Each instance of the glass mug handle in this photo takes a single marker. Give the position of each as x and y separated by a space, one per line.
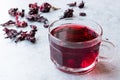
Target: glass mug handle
106 48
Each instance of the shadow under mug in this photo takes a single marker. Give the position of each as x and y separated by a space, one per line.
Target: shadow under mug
75 56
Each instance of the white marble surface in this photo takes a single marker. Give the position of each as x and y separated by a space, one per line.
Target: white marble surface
26 61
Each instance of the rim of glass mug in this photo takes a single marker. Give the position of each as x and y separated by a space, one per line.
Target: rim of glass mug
85 22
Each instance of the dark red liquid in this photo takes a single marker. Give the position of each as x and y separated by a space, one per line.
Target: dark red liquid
73 57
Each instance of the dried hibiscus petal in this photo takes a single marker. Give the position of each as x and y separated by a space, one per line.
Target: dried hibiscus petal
33 6
33 27
20 13
68 13
23 13
11 33
31 35
72 4
81 5
33 9
46 25
28 36
42 19
21 24
32 17
31 39
21 36
33 31
45 7
8 23
15 12
37 18
82 14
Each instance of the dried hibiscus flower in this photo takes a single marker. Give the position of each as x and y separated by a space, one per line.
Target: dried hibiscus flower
21 36
68 13
42 19
45 7
72 4
81 5
11 33
32 17
15 12
28 36
33 9
37 18
8 23
21 24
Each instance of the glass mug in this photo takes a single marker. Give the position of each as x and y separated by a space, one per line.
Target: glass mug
75 44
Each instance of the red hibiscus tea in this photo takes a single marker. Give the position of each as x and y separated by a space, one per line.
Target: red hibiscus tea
74 47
